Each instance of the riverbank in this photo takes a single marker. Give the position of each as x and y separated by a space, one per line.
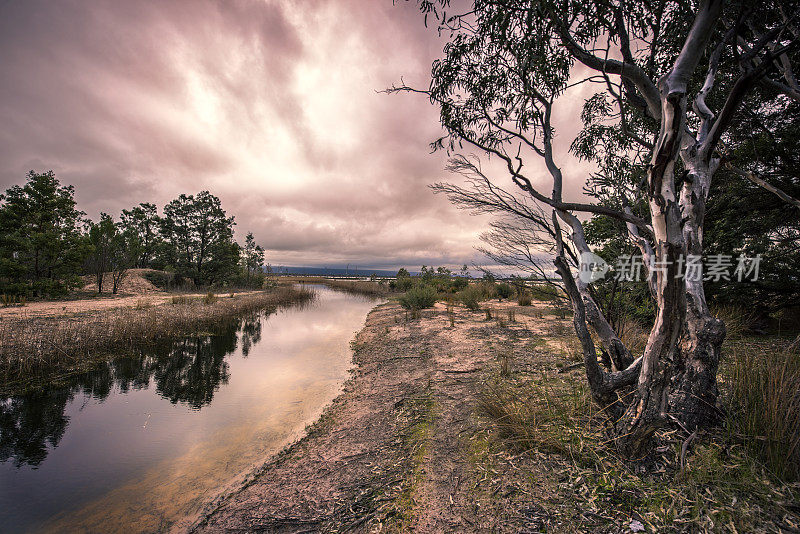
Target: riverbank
36 341
367 288
462 421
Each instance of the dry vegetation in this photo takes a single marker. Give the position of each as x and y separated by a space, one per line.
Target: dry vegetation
361 287
743 476
29 345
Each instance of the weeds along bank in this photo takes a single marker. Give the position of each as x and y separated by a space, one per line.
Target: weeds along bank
32 345
369 288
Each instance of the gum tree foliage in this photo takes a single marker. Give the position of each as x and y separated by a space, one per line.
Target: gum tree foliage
143 221
41 241
198 238
678 73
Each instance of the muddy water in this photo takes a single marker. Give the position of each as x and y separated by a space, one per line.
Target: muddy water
140 444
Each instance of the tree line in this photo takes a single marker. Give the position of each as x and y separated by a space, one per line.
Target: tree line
47 243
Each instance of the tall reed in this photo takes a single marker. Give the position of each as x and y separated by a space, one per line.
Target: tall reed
28 345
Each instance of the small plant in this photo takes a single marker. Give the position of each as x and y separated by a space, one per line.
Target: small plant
12 300
524 298
488 312
418 298
504 291
451 315
512 316
209 298
505 358
181 300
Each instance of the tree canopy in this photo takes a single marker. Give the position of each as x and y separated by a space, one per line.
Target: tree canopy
46 243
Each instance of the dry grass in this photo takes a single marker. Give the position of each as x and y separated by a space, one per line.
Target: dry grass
31 345
762 387
719 486
361 287
542 415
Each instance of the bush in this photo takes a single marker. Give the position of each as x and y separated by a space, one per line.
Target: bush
544 292
459 283
470 297
418 298
504 291
403 283
524 298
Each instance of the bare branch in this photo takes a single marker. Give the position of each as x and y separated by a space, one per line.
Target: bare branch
763 184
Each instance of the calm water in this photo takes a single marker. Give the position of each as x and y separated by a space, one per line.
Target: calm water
140 444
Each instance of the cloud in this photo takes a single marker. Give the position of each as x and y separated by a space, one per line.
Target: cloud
272 106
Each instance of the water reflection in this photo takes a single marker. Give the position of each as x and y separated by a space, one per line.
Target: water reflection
188 371
30 423
140 444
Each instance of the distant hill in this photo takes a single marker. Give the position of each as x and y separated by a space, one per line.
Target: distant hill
332 271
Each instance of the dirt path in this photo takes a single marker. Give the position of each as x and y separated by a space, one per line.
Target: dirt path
399 450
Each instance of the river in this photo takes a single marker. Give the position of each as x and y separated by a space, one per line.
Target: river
140 444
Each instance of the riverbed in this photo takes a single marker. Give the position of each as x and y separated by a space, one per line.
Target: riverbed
140 444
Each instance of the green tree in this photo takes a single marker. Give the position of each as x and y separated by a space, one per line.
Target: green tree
199 239
41 243
126 251
253 261
101 238
143 221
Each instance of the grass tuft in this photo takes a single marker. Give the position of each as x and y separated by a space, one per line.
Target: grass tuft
763 394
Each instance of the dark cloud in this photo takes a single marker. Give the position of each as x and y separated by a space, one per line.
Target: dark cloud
270 105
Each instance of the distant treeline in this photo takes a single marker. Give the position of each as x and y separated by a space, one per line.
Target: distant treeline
46 243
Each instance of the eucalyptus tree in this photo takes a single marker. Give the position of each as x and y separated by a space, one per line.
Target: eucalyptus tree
678 73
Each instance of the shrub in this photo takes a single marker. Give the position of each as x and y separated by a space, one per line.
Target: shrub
544 292
404 283
524 299
459 283
418 298
209 298
487 288
470 297
504 291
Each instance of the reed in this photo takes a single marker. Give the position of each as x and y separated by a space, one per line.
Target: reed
33 344
361 287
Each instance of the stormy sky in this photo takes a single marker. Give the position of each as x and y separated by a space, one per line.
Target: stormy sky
271 105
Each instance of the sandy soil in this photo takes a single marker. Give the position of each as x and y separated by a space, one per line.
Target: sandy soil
400 448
